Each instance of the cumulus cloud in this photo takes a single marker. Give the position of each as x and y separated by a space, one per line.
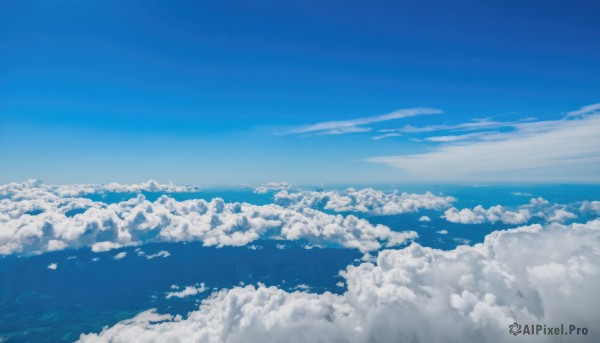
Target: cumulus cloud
188 291
357 125
492 215
424 219
563 150
272 186
53 266
417 294
590 207
28 189
365 200
120 255
537 207
136 221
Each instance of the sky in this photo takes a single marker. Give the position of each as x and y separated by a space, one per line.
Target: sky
235 92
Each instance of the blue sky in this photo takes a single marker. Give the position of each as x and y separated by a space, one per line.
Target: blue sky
236 92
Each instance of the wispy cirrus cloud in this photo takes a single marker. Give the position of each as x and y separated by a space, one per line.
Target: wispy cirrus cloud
563 150
585 111
339 127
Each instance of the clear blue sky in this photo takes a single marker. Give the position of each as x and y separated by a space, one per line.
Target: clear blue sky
226 92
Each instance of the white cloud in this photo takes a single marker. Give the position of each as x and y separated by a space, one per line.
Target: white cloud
442 232
162 253
550 151
53 266
424 219
272 186
356 125
83 189
585 111
120 255
188 291
561 215
537 207
520 194
387 135
493 214
534 275
365 200
136 221
590 206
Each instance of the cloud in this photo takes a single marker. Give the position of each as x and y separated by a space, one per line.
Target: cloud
531 275
162 253
53 266
137 221
387 135
424 219
272 186
31 189
590 206
188 291
442 232
521 194
120 255
537 207
355 125
475 125
492 215
561 215
585 111
365 200
551 151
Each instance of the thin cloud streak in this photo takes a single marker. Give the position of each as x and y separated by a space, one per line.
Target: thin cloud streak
549 151
355 125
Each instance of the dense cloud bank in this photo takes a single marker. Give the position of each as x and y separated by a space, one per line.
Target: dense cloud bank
365 200
30 188
533 275
537 207
35 218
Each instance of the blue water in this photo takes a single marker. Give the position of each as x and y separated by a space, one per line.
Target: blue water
82 295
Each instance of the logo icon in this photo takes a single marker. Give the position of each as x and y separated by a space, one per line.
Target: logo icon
514 328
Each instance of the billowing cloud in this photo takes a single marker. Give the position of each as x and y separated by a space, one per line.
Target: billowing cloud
35 220
590 207
492 215
76 190
566 150
537 207
365 200
531 275
357 125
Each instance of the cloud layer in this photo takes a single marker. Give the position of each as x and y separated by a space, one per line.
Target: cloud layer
365 200
417 294
35 219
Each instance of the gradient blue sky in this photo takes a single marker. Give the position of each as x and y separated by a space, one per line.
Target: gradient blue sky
225 92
